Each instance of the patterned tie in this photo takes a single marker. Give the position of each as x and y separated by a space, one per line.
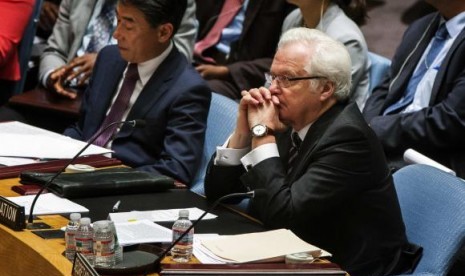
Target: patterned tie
119 106
102 28
293 151
227 14
438 43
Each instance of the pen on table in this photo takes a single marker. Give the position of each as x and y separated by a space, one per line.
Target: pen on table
116 206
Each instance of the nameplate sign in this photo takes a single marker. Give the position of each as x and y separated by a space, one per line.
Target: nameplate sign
12 215
82 267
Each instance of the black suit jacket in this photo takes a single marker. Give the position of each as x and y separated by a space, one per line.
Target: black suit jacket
339 197
260 35
174 103
437 130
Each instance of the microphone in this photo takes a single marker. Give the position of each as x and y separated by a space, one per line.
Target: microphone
250 194
134 123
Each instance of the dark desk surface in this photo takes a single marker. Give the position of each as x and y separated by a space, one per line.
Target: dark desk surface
228 222
42 99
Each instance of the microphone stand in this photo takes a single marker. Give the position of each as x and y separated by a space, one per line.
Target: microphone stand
156 263
30 219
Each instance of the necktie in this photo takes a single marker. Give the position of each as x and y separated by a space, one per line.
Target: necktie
438 43
102 28
227 14
119 106
293 151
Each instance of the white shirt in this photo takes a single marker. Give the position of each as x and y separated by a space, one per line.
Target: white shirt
233 157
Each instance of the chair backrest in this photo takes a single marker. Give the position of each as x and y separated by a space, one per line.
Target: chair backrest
379 68
25 46
220 123
433 208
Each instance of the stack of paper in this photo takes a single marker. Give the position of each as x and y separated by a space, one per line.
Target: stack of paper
48 204
254 247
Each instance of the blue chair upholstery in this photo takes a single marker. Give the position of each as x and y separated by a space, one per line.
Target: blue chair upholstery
220 123
25 46
433 208
379 68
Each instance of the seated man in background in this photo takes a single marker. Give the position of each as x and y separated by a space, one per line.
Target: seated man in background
146 77
81 30
421 103
234 35
321 168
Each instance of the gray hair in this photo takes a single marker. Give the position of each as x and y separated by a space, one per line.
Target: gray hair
329 58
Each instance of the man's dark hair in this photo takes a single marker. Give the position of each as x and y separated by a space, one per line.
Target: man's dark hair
159 12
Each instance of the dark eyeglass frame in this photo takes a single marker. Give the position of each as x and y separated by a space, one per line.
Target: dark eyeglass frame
280 79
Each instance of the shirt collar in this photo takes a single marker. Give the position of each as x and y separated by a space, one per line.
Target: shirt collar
303 132
455 25
147 68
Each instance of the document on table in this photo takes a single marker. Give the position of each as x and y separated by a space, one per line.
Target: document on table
142 231
22 140
159 215
260 247
48 204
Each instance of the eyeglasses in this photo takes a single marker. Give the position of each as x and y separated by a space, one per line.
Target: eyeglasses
285 81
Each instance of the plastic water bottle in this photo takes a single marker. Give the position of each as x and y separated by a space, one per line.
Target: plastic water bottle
70 234
85 240
182 251
104 244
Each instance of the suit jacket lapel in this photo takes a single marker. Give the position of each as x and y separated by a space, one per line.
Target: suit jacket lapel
158 84
250 13
312 139
440 77
403 76
106 92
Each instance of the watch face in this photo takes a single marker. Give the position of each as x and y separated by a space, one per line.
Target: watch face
259 130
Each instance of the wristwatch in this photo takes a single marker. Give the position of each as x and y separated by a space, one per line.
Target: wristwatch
261 130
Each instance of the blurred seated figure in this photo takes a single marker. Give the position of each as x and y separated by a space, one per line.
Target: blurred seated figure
146 77
15 15
81 30
339 19
234 37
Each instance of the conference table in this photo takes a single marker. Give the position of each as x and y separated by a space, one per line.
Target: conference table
25 253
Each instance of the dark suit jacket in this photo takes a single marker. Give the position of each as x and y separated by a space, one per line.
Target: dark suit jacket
437 130
339 197
260 35
174 103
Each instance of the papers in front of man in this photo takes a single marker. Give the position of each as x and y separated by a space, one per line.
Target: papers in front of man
158 215
256 247
48 204
141 231
22 140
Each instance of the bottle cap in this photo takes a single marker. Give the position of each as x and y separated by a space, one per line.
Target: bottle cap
184 213
75 216
85 221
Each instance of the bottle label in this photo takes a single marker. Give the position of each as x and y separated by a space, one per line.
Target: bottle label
188 239
104 248
70 241
84 245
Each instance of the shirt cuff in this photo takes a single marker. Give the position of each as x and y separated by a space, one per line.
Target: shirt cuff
229 157
259 154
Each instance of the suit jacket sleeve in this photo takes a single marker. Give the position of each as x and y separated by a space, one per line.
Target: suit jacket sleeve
187 32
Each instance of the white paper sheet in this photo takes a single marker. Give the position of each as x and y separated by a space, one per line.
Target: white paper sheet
48 204
414 157
158 215
142 231
22 140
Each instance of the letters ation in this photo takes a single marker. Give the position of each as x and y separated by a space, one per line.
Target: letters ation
12 215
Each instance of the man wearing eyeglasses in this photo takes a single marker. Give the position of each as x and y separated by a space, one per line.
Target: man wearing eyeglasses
320 166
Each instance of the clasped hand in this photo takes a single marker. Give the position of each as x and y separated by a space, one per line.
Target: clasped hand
257 106
80 68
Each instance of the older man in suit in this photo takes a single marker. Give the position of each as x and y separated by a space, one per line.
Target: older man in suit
146 77
421 103
320 166
71 51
